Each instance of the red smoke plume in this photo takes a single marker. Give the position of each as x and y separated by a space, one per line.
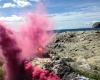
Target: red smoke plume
35 35
30 41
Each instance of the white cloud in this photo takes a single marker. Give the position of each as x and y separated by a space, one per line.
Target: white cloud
71 20
67 20
11 18
36 0
17 3
7 5
13 21
22 3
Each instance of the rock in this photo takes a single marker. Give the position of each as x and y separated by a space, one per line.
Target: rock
96 25
41 62
70 76
74 76
85 66
81 78
83 47
61 67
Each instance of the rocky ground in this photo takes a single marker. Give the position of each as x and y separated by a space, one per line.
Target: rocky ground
76 53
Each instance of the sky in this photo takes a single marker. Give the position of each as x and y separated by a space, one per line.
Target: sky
65 14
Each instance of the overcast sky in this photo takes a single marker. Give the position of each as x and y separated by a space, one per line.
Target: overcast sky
66 14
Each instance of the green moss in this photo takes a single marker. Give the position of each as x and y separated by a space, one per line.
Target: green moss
92 75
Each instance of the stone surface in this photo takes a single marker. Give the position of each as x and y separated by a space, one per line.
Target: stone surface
81 46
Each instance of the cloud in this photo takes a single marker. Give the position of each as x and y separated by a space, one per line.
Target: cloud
13 21
36 0
16 3
11 18
22 3
7 5
69 20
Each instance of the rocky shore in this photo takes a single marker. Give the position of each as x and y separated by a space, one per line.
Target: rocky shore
78 53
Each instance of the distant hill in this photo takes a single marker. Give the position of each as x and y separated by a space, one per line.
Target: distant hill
96 25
